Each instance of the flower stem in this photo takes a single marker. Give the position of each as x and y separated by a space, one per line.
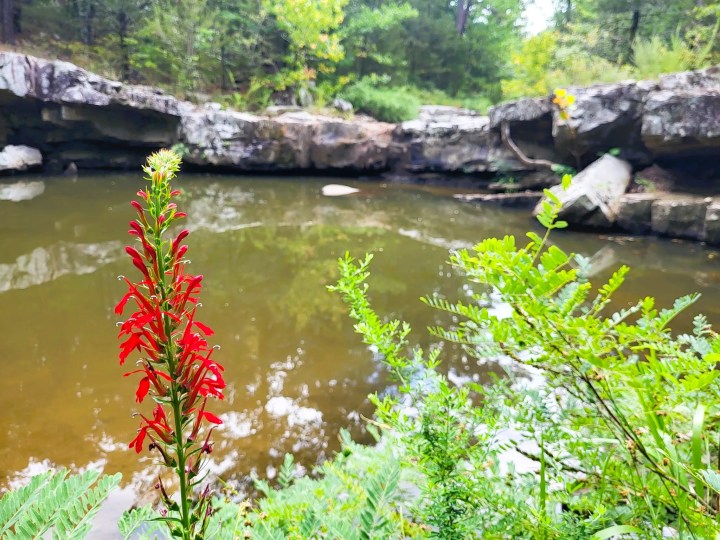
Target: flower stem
180 451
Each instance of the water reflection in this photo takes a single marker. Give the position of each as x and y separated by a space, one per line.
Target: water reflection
296 371
21 191
43 265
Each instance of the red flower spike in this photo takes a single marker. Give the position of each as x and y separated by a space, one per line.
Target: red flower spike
175 357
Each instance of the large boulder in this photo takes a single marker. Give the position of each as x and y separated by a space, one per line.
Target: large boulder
19 158
593 198
65 83
71 114
604 116
291 141
447 139
682 118
529 122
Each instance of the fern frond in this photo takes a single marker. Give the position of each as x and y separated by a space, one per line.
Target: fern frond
287 471
54 502
380 491
133 520
76 521
15 504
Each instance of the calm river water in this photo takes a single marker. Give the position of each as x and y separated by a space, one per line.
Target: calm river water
267 247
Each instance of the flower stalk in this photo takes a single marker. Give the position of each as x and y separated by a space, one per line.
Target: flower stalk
175 364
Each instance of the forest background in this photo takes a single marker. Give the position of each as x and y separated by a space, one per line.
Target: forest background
385 56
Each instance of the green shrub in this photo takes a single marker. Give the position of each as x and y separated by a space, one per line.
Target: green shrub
622 427
386 104
583 69
652 57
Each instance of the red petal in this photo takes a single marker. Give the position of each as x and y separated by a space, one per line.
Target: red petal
210 417
142 390
121 304
137 442
205 329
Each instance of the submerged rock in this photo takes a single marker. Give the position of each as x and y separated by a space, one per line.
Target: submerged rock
338 190
523 199
593 198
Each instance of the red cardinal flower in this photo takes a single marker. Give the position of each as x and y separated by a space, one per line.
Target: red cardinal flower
174 357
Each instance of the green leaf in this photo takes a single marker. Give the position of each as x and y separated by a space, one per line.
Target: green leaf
617 530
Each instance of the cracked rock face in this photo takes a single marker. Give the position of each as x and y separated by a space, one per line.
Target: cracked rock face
291 141
446 139
603 117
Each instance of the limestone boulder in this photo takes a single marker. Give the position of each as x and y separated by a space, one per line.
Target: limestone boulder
446 139
19 158
682 118
530 124
521 111
603 117
294 140
65 83
593 198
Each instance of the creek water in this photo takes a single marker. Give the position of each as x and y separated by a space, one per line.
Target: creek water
267 247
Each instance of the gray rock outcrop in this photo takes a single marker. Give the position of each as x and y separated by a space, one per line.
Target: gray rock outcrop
603 117
446 139
291 141
72 115
680 216
682 117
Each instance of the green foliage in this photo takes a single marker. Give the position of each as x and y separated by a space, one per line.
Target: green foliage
310 29
531 65
172 43
142 521
383 103
54 503
622 427
357 496
365 31
653 58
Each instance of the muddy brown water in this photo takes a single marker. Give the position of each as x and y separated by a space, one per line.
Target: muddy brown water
267 247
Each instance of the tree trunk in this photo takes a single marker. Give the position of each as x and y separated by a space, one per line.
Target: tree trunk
634 27
8 21
122 23
462 11
88 14
223 68
568 12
